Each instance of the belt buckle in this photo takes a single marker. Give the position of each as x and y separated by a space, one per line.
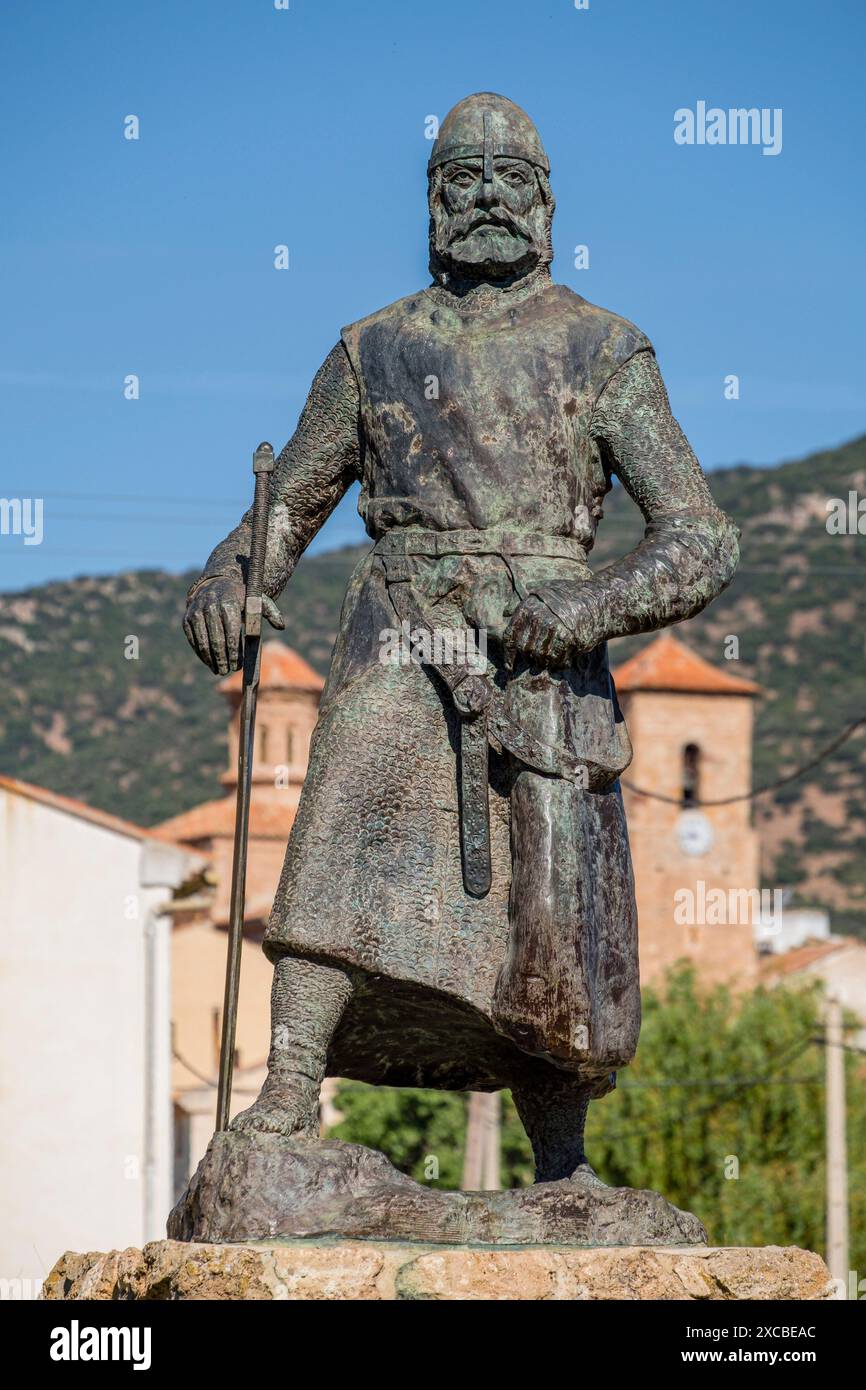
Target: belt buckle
472 541
511 544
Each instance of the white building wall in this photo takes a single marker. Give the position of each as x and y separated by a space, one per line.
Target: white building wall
784 929
74 921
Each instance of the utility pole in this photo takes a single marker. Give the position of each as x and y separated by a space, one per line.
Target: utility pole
473 1157
837 1156
491 1176
481 1162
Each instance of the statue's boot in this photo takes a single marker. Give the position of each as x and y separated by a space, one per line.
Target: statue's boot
307 1003
553 1113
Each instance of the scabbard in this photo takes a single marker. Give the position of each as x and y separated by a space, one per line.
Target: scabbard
475 805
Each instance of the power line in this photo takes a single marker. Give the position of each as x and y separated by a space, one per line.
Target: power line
137 518
685 1115
713 1081
199 1075
846 1047
137 497
758 791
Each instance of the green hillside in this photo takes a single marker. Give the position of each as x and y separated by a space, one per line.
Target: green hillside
145 738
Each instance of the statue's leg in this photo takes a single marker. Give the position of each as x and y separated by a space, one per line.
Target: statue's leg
307 1003
553 1113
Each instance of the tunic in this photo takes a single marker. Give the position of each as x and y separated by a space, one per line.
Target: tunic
504 417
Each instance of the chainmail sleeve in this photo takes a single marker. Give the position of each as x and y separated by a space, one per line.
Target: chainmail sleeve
314 470
690 549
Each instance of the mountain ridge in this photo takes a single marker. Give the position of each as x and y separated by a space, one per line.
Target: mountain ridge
145 737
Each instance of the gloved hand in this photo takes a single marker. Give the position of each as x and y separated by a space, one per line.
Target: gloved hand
214 619
538 634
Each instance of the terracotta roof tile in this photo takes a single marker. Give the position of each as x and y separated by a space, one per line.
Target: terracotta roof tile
72 807
801 957
217 818
282 669
667 664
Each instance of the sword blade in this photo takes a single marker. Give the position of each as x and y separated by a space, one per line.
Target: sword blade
252 660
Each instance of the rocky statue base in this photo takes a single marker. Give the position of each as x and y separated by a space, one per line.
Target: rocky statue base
264 1186
377 1270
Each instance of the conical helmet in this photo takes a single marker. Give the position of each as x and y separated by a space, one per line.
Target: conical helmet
488 126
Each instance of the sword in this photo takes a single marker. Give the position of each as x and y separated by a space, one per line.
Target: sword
263 466
485 721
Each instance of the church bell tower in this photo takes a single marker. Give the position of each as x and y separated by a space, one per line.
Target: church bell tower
695 851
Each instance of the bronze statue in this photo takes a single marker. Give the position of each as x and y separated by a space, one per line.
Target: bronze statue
456 908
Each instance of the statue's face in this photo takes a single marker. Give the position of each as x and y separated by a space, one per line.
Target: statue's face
493 228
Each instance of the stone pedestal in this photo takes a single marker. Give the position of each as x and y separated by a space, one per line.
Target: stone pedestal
336 1270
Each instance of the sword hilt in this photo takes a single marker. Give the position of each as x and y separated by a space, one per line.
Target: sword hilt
263 467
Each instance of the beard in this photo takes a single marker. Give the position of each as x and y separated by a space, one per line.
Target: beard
494 244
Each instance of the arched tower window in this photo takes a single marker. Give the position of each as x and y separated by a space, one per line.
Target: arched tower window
691 774
289 744
263 742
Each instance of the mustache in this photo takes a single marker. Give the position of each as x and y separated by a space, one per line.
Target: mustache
465 224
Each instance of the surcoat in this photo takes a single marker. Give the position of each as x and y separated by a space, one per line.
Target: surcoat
477 454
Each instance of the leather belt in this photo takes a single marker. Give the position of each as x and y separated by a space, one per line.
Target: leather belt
496 540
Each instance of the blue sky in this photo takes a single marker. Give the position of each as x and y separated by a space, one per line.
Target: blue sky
306 127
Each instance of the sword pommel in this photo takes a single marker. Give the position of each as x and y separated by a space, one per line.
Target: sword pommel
263 459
